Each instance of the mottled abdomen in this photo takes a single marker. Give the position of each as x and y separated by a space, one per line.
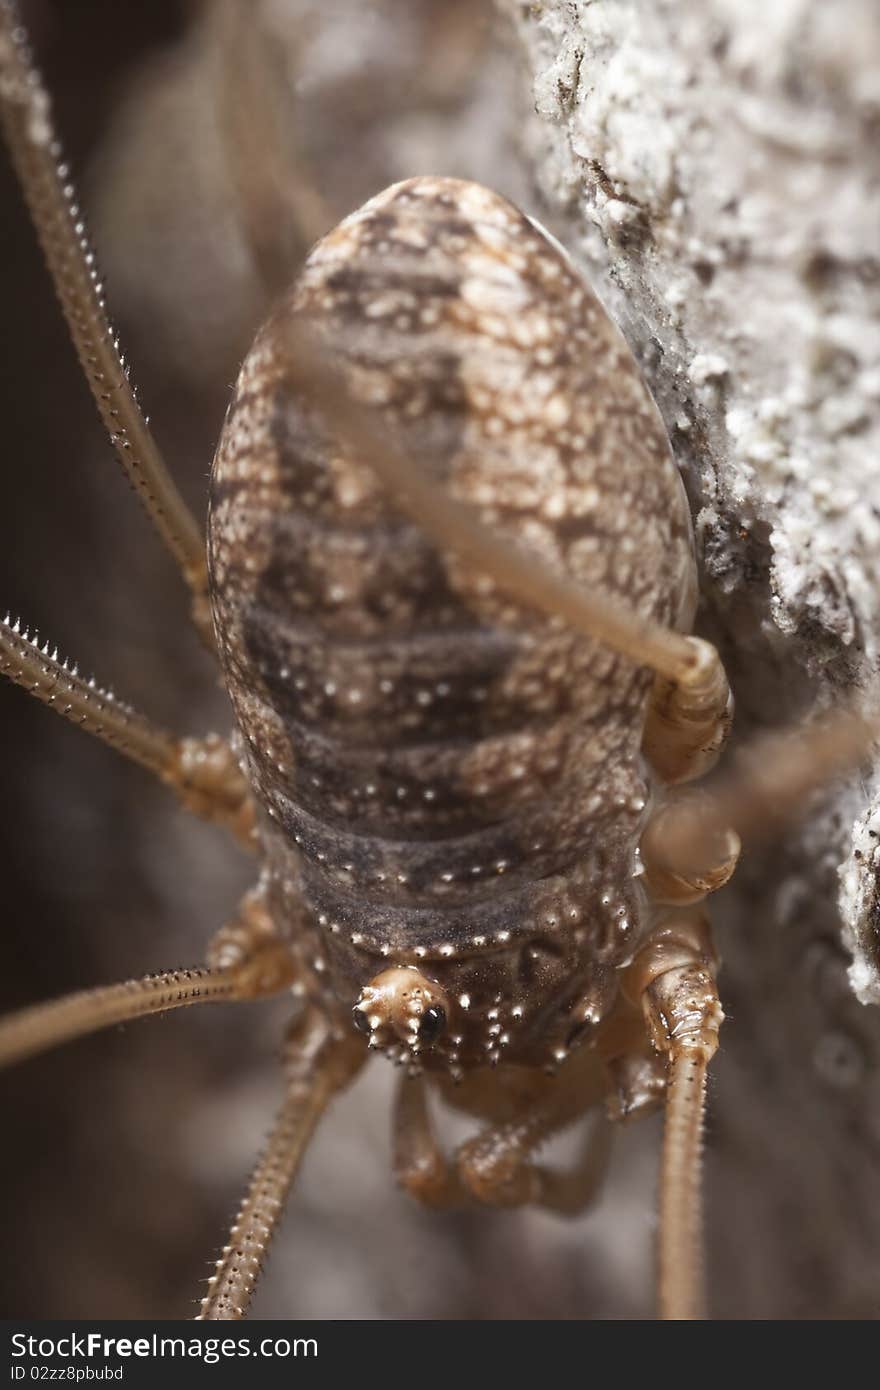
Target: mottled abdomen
449 780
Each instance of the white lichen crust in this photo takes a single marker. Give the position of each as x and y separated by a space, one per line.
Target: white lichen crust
718 165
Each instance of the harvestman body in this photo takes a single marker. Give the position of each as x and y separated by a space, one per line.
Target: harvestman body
451 783
450 572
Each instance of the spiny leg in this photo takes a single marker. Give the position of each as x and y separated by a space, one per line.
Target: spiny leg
680 1256
246 960
673 977
25 116
36 1029
203 772
319 1061
691 843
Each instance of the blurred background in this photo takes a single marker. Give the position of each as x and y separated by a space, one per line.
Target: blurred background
126 1153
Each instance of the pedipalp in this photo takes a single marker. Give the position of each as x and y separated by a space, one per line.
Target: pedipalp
498 1166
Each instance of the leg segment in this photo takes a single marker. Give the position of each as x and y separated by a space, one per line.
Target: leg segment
767 786
690 847
282 213
636 1073
677 882
689 718
202 772
680 1284
249 961
26 120
37 1029
674 979
687 727
318 1063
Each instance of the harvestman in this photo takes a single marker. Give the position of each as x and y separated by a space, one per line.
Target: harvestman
527 1032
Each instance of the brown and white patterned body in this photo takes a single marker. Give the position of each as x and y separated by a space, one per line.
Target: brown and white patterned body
449 781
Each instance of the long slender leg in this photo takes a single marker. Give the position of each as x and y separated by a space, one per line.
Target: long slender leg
680 1255
26 120
674 979
319 1061
201 771
247 961
34 1030
281 211
768 786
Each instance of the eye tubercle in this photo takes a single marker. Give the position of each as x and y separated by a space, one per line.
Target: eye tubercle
402 1002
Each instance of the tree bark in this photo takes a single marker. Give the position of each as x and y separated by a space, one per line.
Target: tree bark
715 167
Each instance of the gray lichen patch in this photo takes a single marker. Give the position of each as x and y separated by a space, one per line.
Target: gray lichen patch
718 167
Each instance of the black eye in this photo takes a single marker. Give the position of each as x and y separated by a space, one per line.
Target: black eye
361 1022
432 1024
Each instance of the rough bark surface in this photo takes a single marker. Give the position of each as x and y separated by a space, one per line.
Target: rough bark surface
718 168
719 165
